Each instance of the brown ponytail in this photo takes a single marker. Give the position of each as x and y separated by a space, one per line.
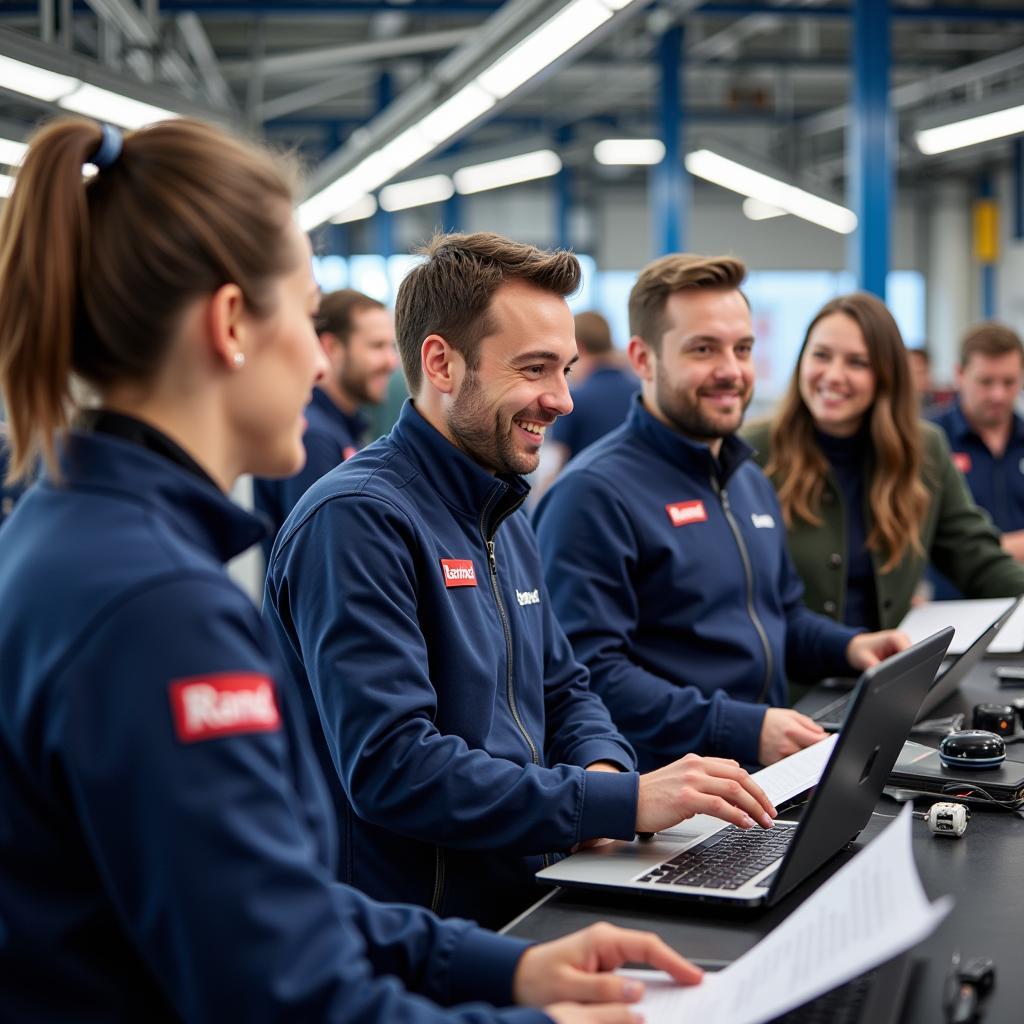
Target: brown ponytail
95 273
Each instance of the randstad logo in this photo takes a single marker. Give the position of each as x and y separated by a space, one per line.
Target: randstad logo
458 572
528 597
762 522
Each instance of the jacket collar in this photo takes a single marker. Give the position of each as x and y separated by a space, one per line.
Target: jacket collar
463 485
354 425
187 503
960 430
691 456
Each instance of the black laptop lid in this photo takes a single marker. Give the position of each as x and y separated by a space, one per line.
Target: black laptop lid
883 707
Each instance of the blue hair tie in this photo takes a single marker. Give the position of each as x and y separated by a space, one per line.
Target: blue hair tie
109 148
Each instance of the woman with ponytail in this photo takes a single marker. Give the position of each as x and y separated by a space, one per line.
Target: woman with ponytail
166 844
868 490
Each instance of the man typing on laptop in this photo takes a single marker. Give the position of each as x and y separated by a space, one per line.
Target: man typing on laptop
664 551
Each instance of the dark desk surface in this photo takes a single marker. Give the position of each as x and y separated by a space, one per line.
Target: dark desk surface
984 871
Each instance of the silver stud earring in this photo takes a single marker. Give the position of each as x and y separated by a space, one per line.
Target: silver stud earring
238 359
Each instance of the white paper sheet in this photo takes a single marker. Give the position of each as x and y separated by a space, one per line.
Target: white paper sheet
794 774
969 620
872 909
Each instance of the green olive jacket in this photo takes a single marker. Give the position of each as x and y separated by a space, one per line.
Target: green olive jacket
957 536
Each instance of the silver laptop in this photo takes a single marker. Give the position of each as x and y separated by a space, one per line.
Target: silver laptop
759 866
829 711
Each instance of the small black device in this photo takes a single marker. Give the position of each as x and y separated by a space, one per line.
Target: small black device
972 748
967 983
998 718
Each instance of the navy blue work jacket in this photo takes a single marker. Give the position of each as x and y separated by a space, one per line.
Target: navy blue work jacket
407 595
167 845
668 570
600 404
331 437
996 482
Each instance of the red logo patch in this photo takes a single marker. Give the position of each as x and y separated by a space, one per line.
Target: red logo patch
206 707
682 513
962 461
458 572
347 453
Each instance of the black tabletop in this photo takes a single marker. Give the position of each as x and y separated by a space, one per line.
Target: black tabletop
983 871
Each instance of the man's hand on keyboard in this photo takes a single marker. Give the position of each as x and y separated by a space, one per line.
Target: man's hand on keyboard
701 785
784 732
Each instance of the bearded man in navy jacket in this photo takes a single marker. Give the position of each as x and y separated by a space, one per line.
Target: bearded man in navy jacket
407 595
664 548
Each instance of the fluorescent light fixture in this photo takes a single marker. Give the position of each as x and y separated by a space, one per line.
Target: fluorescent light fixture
6 185
748 182
11 152
754 209
363 207
543 46
629 151
25 78
970 131
498 173
419 192
105 105
455 113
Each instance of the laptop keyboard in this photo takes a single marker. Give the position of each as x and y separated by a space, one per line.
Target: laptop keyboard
843 1005
725 860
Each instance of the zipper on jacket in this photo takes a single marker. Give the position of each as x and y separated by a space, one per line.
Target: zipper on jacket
492 573
435 900
723 497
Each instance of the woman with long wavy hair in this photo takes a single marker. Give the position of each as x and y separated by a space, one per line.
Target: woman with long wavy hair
868 491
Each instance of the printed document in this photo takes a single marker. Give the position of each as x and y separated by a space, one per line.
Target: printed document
872 909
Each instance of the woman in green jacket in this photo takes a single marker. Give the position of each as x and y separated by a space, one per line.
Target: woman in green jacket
869 493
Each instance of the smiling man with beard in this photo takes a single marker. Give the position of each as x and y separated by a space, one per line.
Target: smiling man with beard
405 590
664 548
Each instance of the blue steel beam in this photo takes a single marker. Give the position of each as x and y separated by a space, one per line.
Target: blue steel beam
1017 199
934 13
669 182
988 270
870 147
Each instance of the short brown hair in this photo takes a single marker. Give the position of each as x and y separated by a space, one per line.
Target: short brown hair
450 292
990 339
95 274
676 272
593 335
338 312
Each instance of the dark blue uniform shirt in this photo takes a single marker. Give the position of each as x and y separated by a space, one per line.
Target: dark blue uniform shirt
167 846
668 570
600 404
996 482
406 592
331 437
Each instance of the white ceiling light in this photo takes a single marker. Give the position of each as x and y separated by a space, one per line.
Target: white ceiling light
754 209
455 113
419 192
511 171
748 182
970 131
555 37
6 185
25 78
105 105
11 152
365 206
629 151
543 46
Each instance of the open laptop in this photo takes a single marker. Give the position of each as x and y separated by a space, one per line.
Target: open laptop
759 866
829 711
